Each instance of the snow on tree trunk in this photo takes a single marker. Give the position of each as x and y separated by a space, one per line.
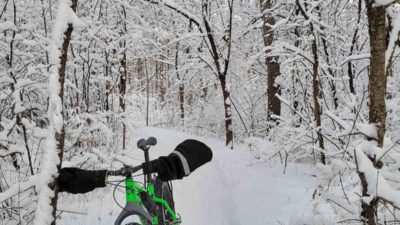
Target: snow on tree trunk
51 161
377 93
123 76
273 66
228 113
221 65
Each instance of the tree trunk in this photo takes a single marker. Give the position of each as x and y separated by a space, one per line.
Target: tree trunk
273 66
108 83
368 209
228 112
182 101
181 86
60 137
350 70
221 65
377 75
122 92
377 92
122 81
317 94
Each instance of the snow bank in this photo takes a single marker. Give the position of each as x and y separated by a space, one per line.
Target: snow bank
259 148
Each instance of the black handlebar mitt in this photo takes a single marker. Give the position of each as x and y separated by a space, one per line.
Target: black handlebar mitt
78 181
192 154
187 157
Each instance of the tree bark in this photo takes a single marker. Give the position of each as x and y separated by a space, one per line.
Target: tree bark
317 94
350 70
122 81
377 92
181 86
377 75
368 209
273 66
60 137
228 113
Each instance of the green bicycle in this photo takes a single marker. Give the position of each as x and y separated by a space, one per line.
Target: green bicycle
152 202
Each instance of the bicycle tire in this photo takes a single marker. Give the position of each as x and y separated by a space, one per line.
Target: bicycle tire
133 210
164 191
143 222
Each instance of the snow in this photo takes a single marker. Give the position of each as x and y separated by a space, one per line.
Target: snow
379 3
394 36
8 25
233 189
370 148
259 148
377 184
18 108
338 120
171 4
17 188
247 185
228 101
356 57
298 51
370 130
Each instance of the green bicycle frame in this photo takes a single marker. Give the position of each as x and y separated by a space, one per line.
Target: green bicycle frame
135 206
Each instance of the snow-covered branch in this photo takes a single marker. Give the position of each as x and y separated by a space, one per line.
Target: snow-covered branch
17 188
65 17
379 3
377 184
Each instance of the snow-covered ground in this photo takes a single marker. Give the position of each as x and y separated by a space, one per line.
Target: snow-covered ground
233 189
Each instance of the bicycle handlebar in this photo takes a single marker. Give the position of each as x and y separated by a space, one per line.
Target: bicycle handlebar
125 171
143 144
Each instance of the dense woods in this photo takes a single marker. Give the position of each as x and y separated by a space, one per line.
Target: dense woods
317 80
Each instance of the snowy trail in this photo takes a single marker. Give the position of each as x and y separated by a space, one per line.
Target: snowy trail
230 191
227 191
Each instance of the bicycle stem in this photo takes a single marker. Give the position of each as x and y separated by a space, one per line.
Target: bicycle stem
147 159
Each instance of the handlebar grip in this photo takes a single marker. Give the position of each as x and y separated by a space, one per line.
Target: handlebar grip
142 143
114 173
124 171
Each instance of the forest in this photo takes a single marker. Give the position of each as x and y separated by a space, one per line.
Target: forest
301 83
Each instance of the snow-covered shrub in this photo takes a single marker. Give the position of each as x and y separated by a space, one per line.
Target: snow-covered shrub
259 148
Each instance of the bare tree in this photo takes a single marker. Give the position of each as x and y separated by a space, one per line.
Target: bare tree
317 94
221 64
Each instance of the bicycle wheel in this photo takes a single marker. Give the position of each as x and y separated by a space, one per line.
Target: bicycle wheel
163 191
133 214
140 221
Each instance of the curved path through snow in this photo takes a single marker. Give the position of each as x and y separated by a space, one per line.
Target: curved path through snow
230 191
